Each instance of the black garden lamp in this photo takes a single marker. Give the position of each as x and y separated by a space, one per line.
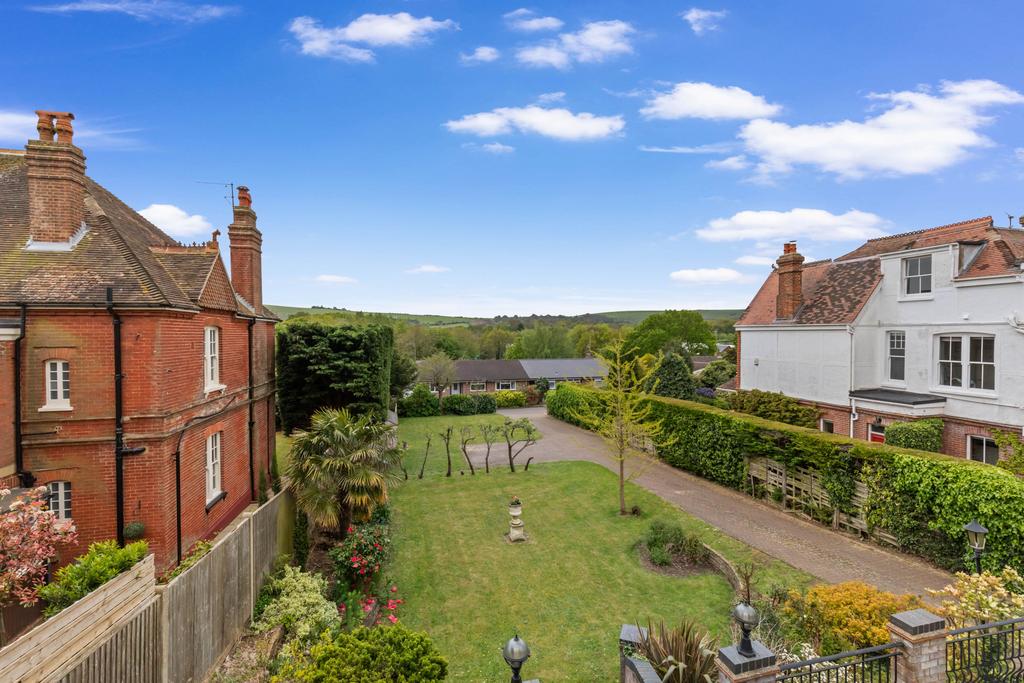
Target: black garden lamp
976 538
516 652
748 618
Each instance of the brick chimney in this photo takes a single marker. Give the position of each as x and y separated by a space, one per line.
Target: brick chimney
56 181
246 251
791 270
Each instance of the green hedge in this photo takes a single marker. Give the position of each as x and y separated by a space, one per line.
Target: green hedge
484 404
924 435
924 499
507 398
420 403
103 561
458 404
326 366
775 406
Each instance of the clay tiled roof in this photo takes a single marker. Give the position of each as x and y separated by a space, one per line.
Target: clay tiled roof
974 229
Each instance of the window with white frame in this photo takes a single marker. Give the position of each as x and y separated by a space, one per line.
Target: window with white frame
978 365
60 498
828 426
211 358
917 275
506 385
58 385
212 466
478 386
897 356
982 449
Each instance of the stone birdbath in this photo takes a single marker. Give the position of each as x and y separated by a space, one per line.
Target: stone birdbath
516 532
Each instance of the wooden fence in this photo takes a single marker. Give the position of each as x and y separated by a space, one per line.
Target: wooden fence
49 648
132 654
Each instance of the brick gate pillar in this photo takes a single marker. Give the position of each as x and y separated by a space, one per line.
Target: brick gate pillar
924 654
735 668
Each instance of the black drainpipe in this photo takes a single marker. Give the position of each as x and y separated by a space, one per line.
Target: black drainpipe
25 478
252 421
119 450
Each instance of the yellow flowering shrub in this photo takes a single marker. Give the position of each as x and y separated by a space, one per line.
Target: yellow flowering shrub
844 616
982 598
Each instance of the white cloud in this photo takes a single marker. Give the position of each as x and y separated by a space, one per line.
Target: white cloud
401 29
145 10
816 224
738 162
551 97
595 42
497 148
16 128
707 276
523 19
713 148
703 20
481 55
707 101
175 221
428 269
1020 153
560 124
336 279
752 260
918 133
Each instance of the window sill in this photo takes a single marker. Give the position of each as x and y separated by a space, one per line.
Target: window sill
894 384
966 393
213 388
916 297
57 408
216 499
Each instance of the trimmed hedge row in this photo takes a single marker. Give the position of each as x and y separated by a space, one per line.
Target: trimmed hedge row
469 404
924 499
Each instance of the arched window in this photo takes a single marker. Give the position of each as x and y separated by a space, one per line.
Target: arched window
60 498
57 382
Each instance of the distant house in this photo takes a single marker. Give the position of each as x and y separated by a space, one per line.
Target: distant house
474 376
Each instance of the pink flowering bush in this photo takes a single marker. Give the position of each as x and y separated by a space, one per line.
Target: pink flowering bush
360 557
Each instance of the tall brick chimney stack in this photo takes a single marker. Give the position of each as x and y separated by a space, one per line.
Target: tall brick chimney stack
56 180
246 251
791 271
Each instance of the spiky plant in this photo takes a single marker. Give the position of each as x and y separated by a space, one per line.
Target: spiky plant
683 654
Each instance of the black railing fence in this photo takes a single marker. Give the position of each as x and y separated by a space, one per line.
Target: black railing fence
990 653
871 665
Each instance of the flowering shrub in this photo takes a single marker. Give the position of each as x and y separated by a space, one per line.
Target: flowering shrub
298 602
982 598
100 564
844 616
359 558
392 654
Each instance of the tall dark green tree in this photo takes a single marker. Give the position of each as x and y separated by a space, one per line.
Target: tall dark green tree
673 378
672 332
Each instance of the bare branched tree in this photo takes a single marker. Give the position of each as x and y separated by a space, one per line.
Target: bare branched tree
467 434
490 434
519 435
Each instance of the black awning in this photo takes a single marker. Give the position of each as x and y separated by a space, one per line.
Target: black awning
907 398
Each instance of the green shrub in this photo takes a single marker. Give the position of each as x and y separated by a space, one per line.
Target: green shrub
420 403
360 558
298 602
660 555
381 514
391 654
922 498
102 562
300 538
458 404
192 555
716 373
674 378
332 366
773 406
533 396
568 400
924 435
484 404
510 399
669 539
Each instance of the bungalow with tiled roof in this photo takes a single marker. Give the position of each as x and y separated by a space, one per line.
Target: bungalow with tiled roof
136 376
926 323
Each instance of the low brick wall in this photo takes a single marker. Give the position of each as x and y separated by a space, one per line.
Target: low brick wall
725 568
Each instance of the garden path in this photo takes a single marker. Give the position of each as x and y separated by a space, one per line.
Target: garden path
830 556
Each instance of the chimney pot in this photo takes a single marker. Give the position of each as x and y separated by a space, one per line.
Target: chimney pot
789 248
56 181
244 198
246 242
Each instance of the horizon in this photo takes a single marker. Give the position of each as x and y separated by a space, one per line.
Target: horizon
444 158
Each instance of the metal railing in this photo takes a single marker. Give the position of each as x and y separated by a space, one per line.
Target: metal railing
989 653
870 665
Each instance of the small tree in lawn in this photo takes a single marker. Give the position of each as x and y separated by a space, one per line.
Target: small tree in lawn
490 434
468 434
29 536
446 436
623 415
519 435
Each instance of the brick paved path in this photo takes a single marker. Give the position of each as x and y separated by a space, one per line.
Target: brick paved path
830 556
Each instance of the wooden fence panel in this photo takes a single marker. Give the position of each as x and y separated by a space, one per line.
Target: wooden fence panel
130 655
50 647
265 531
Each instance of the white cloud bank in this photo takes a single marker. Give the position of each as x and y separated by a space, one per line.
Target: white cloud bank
596 42
526 20
707 276
702 21
428 269
481 55
559 123
377 30
706 101
175 221
815 224
145 10
734 163
918 133
336 279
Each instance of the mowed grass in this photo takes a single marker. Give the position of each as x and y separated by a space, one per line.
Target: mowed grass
415 430
567 591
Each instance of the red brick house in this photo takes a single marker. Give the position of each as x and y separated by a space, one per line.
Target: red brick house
927 323
137 377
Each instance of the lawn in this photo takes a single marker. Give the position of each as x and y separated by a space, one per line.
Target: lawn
567 591
414 431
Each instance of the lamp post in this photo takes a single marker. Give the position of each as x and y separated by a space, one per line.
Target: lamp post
976 538
747 617
516 652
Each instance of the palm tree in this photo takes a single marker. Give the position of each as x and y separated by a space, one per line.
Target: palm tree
342 467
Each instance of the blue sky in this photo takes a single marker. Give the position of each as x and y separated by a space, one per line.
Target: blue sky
497 157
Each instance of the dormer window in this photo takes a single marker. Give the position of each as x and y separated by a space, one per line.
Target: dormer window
917 275
211 359
58 385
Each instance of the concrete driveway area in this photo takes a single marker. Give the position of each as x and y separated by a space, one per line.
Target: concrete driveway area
830 556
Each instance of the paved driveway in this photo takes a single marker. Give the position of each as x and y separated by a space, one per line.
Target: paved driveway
830 556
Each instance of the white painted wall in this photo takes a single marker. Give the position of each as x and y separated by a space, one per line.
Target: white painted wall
809 363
